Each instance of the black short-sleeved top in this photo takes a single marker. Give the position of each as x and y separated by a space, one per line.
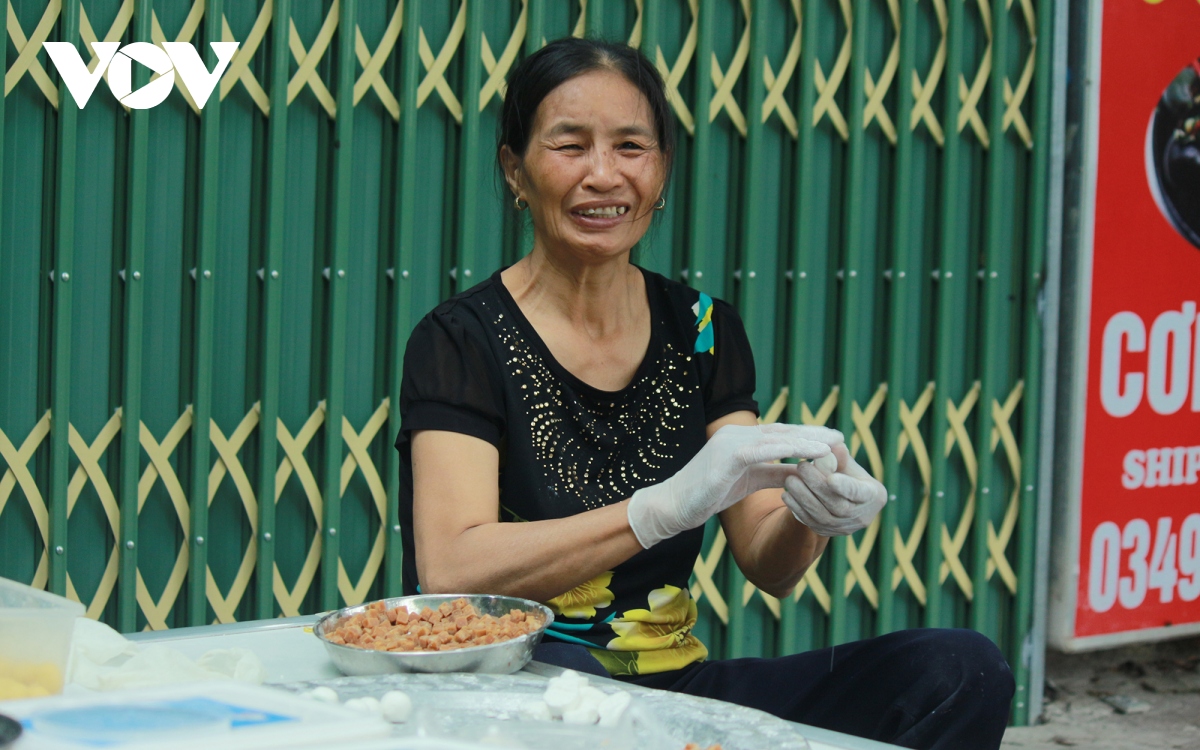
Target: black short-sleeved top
476 366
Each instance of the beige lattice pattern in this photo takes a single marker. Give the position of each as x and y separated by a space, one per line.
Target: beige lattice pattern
18 474
28 49
857 553
498 69
226 465
359 459
998 542
239 66
923 90
580 29
673 75
372 63
225 604
970 96
635 35
827 88
724 81
89 471
239 69
498 65
306 75
115 32
952 546
186 32
435 67
1013 98
911 438
160 468
580 23
294 462
876 90
776 100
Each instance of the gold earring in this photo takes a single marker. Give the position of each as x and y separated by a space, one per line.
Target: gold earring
519 204
662 203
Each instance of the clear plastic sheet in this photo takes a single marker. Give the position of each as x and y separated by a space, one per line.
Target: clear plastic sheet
481 709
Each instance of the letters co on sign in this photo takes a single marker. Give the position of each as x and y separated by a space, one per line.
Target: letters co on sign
1130 568
167 61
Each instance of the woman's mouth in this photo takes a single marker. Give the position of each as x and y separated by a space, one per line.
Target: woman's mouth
606 212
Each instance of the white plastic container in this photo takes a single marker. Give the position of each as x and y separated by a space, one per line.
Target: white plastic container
35 640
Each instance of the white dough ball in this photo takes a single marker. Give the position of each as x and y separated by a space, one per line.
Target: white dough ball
827 464
570 675
584 713
535 710
396 706
590 696
569 679
613 706
366 705
323 694
561 697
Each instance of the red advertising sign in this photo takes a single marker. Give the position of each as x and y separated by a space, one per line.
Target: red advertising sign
1139 544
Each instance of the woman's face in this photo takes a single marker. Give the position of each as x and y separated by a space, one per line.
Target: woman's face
592 171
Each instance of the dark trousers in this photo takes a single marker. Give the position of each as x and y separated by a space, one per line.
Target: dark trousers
925 688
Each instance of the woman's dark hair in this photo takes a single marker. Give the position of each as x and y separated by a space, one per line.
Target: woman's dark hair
563 59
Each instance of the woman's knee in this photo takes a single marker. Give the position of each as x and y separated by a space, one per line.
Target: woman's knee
967 661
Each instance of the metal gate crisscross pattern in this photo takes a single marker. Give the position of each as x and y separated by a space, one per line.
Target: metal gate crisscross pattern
346 157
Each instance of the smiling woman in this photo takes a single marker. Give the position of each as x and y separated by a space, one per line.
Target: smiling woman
569 425
591 174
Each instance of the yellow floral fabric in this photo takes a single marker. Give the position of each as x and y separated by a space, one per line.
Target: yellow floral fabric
657 639
582 601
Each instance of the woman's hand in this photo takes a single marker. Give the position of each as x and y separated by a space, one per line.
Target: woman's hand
833 500
734 463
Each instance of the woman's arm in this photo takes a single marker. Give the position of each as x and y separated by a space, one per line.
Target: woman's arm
770 546
463 548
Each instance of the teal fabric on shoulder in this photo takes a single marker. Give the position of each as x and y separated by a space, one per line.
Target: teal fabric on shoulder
704 310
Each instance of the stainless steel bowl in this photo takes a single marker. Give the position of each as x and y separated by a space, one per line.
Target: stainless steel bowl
504 657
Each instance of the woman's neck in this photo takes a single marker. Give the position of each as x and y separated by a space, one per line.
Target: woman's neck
602 299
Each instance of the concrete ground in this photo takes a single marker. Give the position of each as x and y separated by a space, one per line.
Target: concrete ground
1157 684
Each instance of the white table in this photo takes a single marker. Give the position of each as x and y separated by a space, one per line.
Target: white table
290 653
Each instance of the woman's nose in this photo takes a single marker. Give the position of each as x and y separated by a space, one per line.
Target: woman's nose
603 174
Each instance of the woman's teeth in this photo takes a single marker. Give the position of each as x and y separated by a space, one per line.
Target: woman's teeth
608 212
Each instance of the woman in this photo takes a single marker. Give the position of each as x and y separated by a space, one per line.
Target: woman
570 424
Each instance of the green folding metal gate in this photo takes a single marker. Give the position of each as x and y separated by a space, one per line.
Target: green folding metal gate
203 314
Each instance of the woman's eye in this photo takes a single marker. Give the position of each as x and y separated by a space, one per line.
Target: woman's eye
631 146
569 147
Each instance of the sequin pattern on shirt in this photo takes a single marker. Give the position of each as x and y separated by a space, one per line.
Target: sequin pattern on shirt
632 434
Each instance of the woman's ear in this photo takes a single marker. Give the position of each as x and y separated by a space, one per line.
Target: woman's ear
512 169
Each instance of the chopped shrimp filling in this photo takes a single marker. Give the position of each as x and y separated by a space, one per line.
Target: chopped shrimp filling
452 625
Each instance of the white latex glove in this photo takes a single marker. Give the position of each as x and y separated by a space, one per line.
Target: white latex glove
734 463
833 497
